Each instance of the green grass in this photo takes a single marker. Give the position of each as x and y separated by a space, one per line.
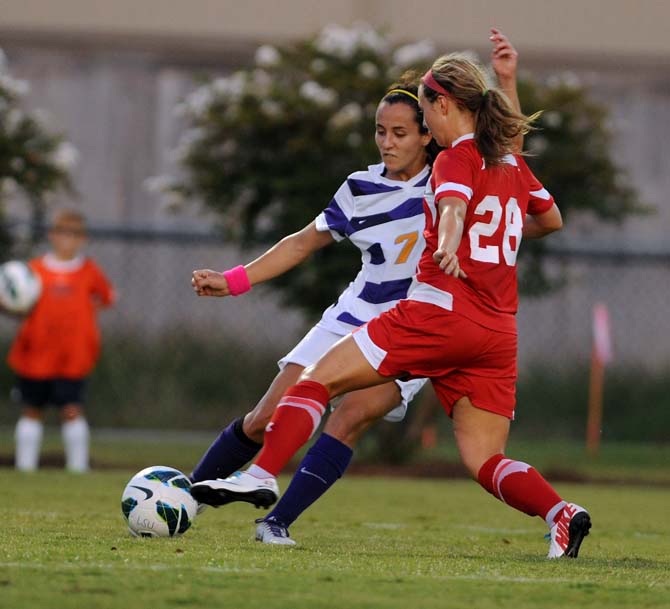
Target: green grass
559 460
615 461
371 542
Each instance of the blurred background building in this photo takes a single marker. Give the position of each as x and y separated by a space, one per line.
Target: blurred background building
110 74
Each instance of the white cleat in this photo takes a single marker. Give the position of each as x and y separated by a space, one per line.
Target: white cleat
241 486
270 531
568 532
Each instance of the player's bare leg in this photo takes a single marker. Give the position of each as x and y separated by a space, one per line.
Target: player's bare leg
342 369
481 437
479 434
240 441
256 420
328 458
358 410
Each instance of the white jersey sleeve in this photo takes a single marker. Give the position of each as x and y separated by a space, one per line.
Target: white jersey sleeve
336 216
384 219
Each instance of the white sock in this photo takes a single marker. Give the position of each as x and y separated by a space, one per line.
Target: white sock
28 438
75 438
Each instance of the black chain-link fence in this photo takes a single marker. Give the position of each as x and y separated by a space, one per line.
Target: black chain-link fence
173 360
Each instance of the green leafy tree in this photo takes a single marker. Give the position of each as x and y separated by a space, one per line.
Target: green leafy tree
268 146
33 161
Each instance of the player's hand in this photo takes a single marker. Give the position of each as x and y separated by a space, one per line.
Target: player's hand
449 263
206 282
504 56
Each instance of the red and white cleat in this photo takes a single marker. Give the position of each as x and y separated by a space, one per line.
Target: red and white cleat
571 526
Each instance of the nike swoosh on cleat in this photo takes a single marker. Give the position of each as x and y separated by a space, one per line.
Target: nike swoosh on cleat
149 493
306 471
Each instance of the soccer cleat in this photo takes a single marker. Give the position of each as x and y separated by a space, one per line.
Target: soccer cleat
201 506
270 531
241 486
568 531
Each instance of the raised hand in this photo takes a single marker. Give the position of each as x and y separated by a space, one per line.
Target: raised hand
504 56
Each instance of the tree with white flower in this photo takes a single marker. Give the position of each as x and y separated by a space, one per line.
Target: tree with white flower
267 147
33 160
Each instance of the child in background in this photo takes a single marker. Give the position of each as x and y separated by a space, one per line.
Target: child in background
58 343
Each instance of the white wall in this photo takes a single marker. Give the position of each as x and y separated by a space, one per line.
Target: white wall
605 28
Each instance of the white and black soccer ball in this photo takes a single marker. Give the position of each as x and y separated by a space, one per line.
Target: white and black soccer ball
157 502
20 287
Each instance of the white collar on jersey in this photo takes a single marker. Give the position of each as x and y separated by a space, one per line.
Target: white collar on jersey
508 158
463 138
63 266
378 170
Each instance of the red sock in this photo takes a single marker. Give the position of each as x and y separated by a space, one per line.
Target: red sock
519 485
294 421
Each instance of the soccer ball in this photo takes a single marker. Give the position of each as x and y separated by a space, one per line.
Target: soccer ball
20 287
157 502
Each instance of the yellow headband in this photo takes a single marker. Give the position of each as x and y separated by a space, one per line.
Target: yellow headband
392 91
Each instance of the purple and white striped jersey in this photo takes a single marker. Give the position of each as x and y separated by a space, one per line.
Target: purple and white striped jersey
385 220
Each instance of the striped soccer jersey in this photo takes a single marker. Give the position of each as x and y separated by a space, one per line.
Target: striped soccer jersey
384 219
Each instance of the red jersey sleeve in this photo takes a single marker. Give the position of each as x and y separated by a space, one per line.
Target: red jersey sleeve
540 200
454 174
101 287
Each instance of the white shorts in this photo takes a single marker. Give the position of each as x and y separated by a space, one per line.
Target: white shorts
318 340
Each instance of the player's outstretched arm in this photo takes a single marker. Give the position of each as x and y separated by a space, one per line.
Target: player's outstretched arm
281 257
288 253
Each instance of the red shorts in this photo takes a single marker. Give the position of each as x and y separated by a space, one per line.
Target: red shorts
461 357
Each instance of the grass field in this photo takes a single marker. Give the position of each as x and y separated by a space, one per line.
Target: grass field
135 449
371 542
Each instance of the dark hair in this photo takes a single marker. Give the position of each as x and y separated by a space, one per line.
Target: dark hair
406 91
497 124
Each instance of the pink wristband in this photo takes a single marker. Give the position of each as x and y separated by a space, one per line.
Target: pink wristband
238 280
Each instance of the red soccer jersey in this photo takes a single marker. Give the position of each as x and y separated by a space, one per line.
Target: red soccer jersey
60 337
498 199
